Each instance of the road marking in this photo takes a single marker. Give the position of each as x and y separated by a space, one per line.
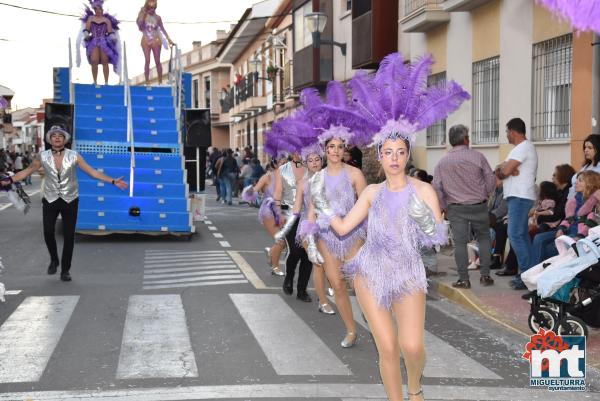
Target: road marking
170 253
225 244
177 269
218 235
187 269
271 320
156 342
247 270
312 391
440 353
13 292
208 222
212 228
30 335
197 279
202 284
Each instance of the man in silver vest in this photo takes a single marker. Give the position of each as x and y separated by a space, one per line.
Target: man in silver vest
60 193
284 194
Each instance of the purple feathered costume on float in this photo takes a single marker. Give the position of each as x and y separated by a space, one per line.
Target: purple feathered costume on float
397 100
98 36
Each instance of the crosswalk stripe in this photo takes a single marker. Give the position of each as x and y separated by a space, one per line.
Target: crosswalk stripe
182 258
436 364
188 263
30 335
191 273
202 284
190 253
156 342
193 268
154 251
194 279
285 338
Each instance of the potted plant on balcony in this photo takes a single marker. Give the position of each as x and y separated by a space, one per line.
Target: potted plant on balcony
238 79
272 71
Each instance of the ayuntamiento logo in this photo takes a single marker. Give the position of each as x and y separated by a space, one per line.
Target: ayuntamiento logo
556 362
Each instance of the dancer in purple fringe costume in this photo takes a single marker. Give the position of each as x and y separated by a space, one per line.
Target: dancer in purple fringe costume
101 40
344 184
308 231
269 214
154 36
403 215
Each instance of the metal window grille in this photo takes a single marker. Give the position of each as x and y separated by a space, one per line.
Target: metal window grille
411 6
486 89
436 133
552 79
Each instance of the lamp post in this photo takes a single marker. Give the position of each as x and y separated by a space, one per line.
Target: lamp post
315 23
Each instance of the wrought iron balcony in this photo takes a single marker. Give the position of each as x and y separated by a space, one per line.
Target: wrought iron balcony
423 15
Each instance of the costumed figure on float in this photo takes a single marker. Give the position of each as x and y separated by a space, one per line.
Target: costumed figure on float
154 36
269 214
403 215
100 37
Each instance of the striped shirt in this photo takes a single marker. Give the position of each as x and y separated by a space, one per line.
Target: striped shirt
464 177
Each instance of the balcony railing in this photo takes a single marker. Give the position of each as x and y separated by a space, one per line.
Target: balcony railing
410 6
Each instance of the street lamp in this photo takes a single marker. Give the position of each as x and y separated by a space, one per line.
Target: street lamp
315 23
256 62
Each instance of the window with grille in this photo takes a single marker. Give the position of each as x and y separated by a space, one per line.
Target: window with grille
485 101
551 97
436 133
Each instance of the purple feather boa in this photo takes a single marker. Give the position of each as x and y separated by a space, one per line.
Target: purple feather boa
583 15
306 227
249 195
439 237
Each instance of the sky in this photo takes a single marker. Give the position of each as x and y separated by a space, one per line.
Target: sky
32 43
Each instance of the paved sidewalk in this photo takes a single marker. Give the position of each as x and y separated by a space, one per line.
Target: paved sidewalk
498 302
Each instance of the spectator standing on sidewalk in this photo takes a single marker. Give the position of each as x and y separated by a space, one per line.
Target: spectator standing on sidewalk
464 181
518 173
228 170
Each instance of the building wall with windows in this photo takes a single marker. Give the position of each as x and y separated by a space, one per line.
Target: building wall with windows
516 60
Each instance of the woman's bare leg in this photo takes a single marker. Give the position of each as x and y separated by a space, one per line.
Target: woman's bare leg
410 316
94 61
105 68
333 271
146 50
278 247
319 280
156 47
383 330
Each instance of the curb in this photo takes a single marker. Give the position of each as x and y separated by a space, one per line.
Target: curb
467 299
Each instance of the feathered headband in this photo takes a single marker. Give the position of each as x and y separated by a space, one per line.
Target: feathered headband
311 150
96 3
398 101
336 132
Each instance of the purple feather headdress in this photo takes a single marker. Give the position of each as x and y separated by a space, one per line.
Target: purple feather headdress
96 3
583 15
336 132
311 150
397 100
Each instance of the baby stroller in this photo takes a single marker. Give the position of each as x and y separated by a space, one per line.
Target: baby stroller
556 296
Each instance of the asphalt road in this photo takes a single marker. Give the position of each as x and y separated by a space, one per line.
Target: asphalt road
164 318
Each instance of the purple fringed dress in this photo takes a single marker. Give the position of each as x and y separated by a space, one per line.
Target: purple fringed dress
341 196
267 206
390 261
99 38
305 226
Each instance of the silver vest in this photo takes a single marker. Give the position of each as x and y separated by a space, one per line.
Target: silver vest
288 179
60 184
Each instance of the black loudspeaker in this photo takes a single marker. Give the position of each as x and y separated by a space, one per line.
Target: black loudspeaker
197 128
195 161
58 114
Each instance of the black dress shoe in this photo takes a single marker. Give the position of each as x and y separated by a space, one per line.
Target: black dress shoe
304 297
486 281
52 267
288 288
466 284
506 272
65 276
496 263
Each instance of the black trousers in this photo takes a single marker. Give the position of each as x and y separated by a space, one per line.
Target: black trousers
296 254
68 212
